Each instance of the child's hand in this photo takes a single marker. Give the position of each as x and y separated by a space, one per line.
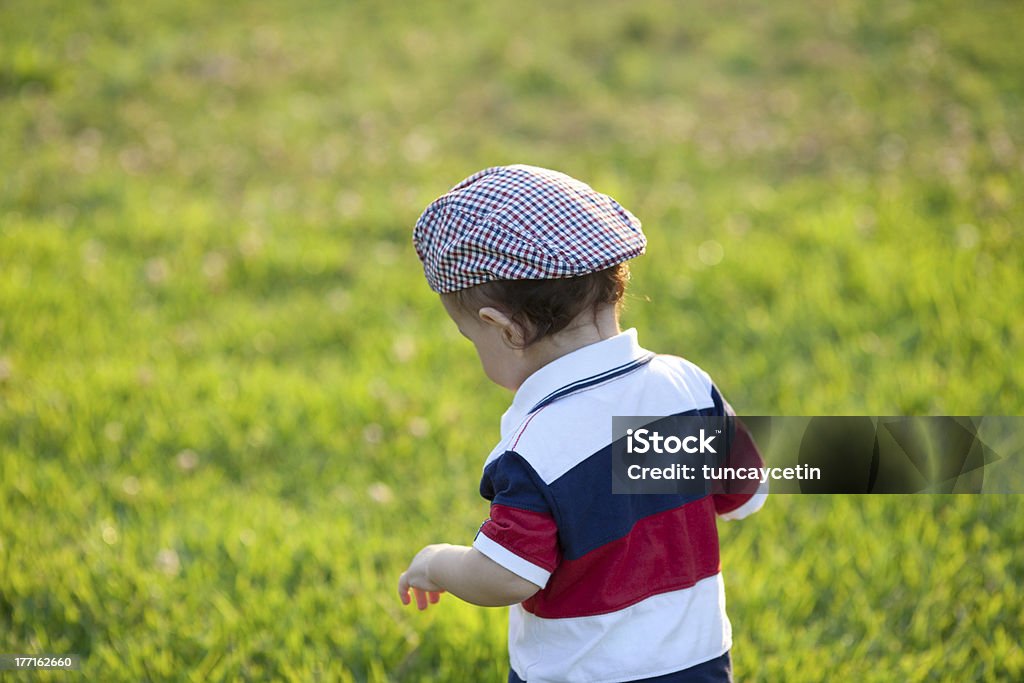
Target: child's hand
417 577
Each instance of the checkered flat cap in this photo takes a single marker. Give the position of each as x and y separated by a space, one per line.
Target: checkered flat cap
522 222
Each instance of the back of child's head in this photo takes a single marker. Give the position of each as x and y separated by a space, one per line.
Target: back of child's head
542 247
545 307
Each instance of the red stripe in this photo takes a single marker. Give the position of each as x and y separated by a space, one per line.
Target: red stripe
532 536
668 551
523 428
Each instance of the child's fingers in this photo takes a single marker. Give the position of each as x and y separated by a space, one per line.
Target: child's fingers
403 589
424 598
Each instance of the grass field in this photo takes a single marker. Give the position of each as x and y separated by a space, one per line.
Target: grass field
231 410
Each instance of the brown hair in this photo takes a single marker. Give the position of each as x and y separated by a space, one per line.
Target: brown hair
545 307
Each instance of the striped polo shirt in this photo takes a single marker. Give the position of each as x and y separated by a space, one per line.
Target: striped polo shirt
631 585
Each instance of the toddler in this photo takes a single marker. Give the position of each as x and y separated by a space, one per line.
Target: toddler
531 266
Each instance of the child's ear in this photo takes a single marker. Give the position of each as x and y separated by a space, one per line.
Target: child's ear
511 332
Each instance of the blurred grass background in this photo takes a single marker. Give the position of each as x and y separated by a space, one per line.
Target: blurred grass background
231 409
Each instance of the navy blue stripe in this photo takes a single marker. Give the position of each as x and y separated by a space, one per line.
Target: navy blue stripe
588 515
510 480
579 385
718 400
717 670
588 381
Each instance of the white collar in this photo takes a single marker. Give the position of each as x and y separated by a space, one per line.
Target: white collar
564 375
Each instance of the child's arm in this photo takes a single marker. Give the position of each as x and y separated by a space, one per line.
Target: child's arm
743 498
464 572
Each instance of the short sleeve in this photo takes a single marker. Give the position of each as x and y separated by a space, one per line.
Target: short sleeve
744 498
521 534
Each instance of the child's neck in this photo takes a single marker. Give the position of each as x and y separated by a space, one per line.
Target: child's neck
588 328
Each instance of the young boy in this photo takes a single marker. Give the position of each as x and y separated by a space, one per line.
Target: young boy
530 265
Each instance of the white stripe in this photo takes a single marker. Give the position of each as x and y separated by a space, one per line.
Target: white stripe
660 635
565 433
510 561
755 503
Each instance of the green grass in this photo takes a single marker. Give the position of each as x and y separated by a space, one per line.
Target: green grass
231 410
